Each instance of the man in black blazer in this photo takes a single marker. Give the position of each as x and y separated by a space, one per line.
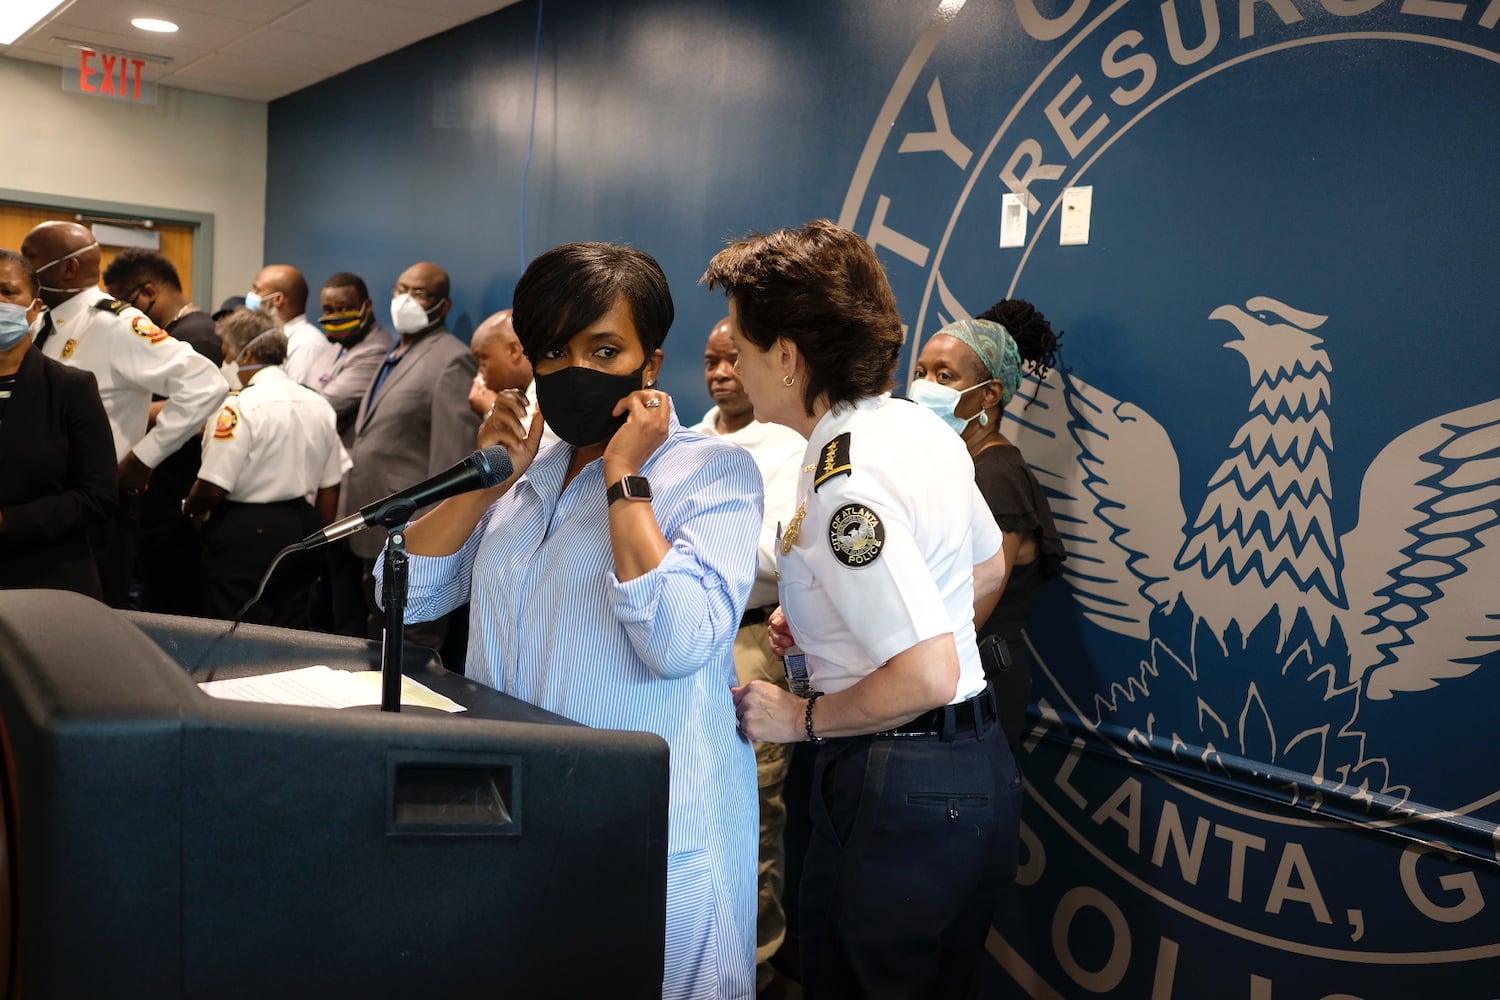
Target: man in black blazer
415 419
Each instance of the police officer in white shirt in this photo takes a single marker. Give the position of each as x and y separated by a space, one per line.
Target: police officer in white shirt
916 798
777 451
274 444
131 358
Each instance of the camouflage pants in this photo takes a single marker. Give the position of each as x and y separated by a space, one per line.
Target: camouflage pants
753 660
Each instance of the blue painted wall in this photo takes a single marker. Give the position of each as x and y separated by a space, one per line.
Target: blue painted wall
1263 762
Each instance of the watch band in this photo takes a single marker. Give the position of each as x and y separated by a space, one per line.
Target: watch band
630 488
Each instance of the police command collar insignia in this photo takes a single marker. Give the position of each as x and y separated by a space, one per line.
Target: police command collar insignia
835 461
856 534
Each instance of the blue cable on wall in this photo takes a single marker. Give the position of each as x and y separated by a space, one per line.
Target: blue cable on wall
536 74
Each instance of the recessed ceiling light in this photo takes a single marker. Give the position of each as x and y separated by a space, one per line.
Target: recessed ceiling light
152 24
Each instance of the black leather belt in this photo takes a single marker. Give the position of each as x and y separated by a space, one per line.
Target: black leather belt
967 716
756 616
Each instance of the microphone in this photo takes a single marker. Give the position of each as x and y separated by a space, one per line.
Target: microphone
480 470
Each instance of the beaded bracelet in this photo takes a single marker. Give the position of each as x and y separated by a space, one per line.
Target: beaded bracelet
807 718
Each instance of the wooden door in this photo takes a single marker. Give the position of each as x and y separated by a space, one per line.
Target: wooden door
176 237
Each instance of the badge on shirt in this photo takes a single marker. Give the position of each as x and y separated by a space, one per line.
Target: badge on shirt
856 534
228 421
69 348
143 327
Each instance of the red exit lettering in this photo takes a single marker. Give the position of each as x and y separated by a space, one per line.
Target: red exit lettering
119 76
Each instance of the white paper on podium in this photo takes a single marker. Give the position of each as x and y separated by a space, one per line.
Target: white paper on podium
324 687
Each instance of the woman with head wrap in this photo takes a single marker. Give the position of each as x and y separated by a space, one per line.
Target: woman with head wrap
966 374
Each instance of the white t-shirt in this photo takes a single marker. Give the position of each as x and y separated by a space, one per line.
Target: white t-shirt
883 555
309 353
777 452
276 440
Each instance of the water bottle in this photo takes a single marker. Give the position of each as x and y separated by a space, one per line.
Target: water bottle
795 662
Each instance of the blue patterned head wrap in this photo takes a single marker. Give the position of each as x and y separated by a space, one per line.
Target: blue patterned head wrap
996 348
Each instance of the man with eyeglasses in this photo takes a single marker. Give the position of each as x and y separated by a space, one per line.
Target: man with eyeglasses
132 359
414 421
167 563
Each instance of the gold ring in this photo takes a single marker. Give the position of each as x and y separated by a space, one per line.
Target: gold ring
653 402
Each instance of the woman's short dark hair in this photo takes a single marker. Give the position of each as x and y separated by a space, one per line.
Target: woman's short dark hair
822 288
28 273
571 286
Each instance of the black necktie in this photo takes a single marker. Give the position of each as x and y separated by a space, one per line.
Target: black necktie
46 331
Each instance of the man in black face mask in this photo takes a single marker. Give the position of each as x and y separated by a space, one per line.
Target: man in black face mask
348 321
414 421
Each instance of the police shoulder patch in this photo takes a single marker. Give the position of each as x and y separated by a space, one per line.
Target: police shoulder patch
856 535
835 461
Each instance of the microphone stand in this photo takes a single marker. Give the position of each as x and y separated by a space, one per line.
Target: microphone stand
394 591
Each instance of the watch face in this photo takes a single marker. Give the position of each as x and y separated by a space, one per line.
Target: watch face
630 488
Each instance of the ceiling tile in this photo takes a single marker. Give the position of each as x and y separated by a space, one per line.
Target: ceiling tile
236 71
59 38
196 30
298 48
259 11
457 10
365 22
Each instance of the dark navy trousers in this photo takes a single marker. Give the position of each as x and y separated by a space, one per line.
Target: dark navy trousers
914 842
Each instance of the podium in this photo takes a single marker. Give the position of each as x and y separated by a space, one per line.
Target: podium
159 842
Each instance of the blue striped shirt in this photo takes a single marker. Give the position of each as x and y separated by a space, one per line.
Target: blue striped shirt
552 625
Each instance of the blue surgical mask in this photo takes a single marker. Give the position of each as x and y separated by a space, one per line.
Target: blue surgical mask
943 400
14 326
253 301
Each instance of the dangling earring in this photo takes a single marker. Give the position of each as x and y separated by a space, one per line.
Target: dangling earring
788 381
984 419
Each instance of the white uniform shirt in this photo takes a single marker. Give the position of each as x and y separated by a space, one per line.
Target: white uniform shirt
777 451
883 557
309 353
132 358
276 440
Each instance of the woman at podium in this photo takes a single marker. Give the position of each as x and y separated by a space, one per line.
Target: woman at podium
608 575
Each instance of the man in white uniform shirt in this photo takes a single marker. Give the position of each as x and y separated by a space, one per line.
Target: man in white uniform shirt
274 444
281 290
131 358
777 451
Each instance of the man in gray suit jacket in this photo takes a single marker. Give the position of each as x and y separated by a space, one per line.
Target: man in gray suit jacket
415 419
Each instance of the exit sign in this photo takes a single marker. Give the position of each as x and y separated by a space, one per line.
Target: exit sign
105 74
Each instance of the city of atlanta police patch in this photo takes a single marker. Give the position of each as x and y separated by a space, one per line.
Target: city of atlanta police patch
856 534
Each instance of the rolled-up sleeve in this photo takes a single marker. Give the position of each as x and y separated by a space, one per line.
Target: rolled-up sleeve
435 585
681 614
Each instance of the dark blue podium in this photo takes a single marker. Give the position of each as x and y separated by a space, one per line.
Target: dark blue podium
159 842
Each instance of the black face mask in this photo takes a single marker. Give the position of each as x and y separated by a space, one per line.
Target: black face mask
578 402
